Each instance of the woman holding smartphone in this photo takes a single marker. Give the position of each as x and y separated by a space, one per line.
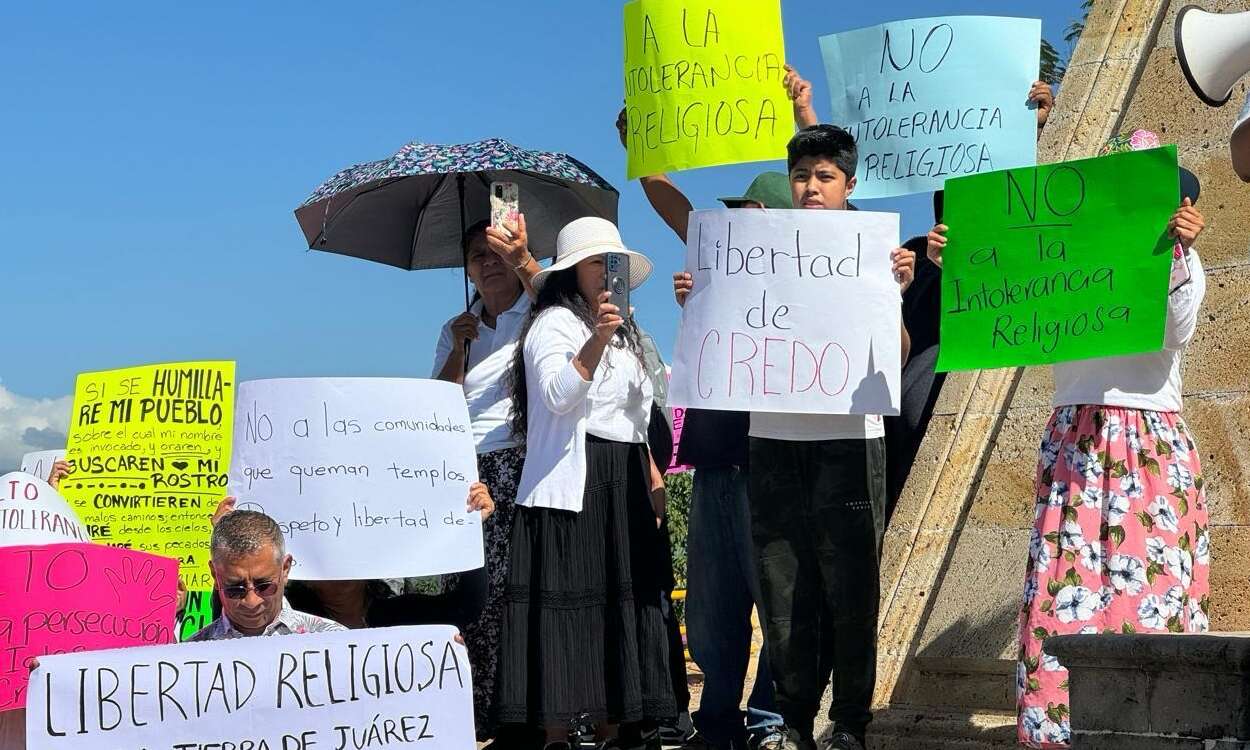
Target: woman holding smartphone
475 350
583 632
1120 538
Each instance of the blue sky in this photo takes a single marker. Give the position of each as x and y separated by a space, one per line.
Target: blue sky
153 154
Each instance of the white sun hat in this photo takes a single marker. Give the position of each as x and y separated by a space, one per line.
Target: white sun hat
587 237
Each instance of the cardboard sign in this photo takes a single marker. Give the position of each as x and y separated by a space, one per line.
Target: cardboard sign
933 98
368 477
1057 263
703 84
40 463
31 512
149 450
63 598
378 688
792 311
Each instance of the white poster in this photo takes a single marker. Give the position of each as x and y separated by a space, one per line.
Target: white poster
383 687
792 311
31 512
368 477
40 463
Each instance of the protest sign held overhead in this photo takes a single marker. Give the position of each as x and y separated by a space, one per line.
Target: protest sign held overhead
1059 262
40 463
62 598
792 311
933 98
367 477
149 454
703 84
31 512
384 687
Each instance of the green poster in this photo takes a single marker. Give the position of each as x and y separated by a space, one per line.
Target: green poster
1058 262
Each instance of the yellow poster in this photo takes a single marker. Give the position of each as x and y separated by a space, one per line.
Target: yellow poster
703 84
149 451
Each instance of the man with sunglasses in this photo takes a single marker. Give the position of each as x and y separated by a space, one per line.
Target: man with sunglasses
250 565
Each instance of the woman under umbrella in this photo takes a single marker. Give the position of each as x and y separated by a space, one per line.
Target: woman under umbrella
475 350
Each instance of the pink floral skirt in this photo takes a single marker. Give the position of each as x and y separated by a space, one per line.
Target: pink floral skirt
1119 545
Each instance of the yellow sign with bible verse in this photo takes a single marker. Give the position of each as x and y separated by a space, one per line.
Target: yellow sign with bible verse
149 455
703 84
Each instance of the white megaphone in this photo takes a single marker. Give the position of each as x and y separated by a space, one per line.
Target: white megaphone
1214 51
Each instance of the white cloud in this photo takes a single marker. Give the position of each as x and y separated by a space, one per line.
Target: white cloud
30 424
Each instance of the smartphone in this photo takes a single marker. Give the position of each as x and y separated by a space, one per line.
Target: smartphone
505 204
616 281
1180 268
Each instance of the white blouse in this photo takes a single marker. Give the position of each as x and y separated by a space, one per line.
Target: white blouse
1149 382
485 383
563 408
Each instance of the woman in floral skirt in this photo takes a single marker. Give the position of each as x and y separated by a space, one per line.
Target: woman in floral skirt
1120 541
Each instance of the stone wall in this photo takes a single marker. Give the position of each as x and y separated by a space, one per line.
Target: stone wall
955 551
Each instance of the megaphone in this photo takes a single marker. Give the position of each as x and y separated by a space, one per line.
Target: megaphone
1214 51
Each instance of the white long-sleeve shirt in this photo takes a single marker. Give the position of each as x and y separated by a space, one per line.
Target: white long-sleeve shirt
1149 382
563 408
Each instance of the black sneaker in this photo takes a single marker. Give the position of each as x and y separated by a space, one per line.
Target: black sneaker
839 739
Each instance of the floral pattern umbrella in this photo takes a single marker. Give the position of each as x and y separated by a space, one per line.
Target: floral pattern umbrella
410 210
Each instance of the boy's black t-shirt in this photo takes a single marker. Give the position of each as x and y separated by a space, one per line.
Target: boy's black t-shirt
714 438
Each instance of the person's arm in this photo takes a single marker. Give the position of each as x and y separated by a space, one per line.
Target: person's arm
659 493
904 268
800 92
672 206
936 244
1183 303
1042 95
513 248
563 361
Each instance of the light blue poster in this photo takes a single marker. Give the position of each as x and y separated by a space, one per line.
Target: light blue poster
932 98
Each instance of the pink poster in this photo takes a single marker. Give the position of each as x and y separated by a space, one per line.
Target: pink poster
679 419
61 598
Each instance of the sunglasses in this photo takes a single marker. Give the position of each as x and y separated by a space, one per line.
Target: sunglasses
239 590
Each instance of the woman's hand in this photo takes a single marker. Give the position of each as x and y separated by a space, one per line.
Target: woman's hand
463 328
622 126
480 500
181 606
937 243
60 470
683 285
608 319
904 267
659 494
511 243
1186 224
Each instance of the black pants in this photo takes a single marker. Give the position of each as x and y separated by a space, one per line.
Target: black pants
817 521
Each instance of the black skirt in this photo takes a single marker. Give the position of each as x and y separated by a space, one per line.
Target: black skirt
583 632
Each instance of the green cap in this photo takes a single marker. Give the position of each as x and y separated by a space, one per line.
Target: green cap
770 189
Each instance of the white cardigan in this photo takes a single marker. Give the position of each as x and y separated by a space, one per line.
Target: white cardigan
563 407
1148 382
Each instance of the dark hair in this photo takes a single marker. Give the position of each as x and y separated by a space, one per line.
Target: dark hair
246 532
559 290
472 231
824 141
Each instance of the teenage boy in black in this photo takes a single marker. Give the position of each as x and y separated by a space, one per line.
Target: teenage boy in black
817 495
